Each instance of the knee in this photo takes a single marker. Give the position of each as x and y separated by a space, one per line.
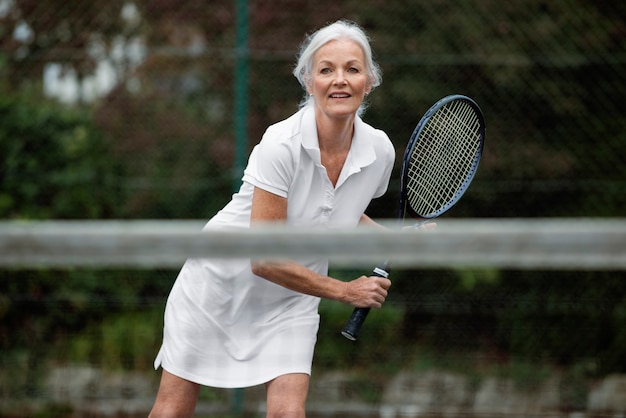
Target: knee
286 396
286 406
286 412
161 410
176 398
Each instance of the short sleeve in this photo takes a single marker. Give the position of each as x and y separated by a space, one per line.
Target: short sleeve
385 152
271 165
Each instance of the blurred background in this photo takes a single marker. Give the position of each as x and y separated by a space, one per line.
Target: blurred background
140 109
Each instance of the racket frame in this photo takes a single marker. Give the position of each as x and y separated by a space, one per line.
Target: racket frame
403 207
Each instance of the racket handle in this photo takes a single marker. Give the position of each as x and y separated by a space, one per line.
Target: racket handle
353 326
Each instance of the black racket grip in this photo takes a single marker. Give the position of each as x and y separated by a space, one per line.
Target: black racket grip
353 326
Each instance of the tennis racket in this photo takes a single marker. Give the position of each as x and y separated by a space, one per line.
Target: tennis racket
439 164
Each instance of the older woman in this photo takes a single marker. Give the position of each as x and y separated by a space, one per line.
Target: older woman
239 323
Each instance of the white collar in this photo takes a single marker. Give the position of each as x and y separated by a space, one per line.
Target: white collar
361 152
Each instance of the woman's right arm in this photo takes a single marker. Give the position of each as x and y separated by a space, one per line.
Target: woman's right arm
365 292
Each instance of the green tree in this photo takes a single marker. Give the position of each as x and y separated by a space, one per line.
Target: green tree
53 163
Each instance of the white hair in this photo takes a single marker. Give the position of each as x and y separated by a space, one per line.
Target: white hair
342 29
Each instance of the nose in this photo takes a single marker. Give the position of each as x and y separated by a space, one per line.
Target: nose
340 78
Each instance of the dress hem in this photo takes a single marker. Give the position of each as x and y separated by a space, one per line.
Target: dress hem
234 384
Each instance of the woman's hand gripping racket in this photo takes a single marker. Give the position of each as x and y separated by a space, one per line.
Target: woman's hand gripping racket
439 164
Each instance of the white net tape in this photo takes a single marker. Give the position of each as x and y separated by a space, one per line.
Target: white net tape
528 244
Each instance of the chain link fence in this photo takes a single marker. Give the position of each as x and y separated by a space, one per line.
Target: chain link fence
148 109
160 78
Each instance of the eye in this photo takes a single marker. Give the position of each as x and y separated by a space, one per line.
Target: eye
354 70
325 70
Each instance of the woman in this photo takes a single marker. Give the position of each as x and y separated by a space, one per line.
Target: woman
239 323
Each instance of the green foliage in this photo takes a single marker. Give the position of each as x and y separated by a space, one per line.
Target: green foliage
55 410
53 163
45 309
378 334
124 341
541 316
565 317
173 154
574 387
524 373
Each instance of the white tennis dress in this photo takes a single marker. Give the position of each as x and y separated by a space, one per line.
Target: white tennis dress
226 327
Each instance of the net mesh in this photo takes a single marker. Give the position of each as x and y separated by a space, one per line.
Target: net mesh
481 315
444 158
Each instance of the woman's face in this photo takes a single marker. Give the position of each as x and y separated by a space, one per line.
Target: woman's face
339 80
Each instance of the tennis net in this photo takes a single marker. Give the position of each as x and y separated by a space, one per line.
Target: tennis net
483 315
528 243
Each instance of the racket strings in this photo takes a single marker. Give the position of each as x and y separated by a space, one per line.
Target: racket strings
443 158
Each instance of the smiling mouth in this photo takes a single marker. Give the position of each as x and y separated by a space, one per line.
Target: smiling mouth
339 96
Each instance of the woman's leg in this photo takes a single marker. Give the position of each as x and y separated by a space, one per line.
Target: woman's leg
176 397
286 396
